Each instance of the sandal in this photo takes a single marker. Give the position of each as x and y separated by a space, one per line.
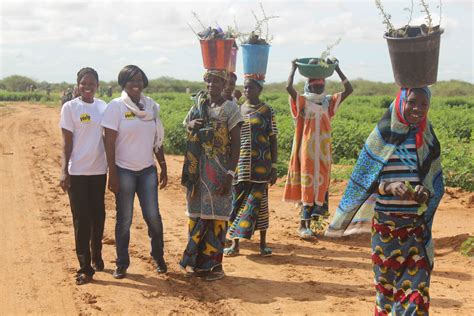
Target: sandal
304 233
83 278
231 252
266 252
214 275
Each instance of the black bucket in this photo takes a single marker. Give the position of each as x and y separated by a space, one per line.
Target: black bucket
415 59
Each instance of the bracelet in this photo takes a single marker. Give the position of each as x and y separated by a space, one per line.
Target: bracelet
345 81
232 173
382 188
162 162
274 165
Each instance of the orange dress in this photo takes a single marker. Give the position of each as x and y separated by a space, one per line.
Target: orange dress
310 163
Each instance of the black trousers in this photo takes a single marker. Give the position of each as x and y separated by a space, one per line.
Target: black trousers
86 196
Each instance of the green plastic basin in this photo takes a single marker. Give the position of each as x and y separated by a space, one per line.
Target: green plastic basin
316 71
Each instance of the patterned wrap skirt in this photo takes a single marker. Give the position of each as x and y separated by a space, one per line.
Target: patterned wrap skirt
250 209
400 263
205 247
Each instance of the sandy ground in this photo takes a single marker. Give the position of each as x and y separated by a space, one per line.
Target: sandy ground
303 277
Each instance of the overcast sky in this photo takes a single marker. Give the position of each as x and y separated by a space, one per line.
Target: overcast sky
52 40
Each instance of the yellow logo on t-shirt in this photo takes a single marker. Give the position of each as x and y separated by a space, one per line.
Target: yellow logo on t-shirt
85 118
129 115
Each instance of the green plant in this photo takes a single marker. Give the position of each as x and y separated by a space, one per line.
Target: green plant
386 16
467 247
404 31
260 33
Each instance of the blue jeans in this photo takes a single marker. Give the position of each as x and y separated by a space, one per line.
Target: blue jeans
145 183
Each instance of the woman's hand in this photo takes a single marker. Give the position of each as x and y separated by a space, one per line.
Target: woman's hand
273 176
399 189
113 181
195 124
163 178
224 188
421 194
65 181
294 65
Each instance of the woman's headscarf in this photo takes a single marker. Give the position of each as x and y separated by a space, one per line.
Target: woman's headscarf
400 107
310 96
258 78
218 73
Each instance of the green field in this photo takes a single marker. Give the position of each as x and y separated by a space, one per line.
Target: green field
452 117
453 120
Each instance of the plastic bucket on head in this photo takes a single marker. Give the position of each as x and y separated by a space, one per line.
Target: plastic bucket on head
415 59
232 59
255 58
216 53
314 71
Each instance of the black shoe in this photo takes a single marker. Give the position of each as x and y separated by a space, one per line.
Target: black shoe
83 278
161 266
120 273
98 266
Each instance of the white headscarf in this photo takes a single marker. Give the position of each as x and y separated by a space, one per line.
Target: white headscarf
313 97
147 116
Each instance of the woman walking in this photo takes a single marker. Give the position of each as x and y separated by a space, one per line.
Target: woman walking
133 135
84 172
256 168
309 169
401 153
213 125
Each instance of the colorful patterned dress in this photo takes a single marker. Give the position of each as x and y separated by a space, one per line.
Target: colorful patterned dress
400 261
310 164
206 161
250 190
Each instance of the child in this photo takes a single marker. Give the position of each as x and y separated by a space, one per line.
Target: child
308 177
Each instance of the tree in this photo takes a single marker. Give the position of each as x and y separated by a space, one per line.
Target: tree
17 83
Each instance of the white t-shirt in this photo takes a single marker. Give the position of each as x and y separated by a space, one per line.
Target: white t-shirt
83 120
135 138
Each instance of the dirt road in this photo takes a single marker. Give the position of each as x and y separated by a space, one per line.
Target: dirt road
317 277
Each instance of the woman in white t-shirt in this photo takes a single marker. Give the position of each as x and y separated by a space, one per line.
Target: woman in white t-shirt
84 172
133 135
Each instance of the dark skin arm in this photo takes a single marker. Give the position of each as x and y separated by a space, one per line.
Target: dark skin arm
347 85
234 159
274 152
65 181
289 83
109 142
160 156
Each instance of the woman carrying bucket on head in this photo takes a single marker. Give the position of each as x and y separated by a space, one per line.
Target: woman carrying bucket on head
308 177
255 170
213 125
398 177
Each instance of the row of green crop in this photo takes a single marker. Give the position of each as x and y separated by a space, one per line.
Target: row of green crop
452 118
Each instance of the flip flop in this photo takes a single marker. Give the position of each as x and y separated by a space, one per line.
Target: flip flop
214 276
266 252
305 233
231 252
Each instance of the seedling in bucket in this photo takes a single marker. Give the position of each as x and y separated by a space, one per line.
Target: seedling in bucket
256 46
321 67
216 46
414 50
